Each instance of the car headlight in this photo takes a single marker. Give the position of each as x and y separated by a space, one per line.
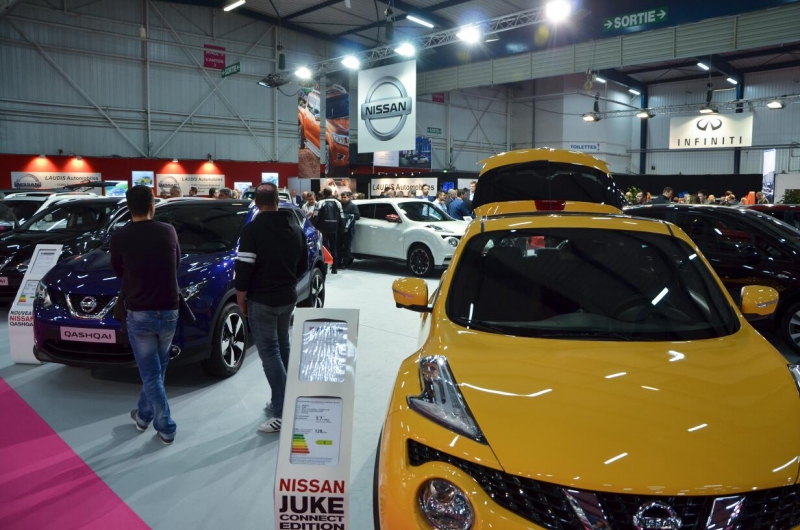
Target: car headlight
341 139
437 228
42 295
441 400
193 290
445 506
22 266
453 241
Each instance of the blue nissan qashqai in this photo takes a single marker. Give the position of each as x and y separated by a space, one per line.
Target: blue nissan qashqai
73 311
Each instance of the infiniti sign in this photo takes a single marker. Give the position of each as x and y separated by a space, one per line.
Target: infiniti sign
704 123
724 131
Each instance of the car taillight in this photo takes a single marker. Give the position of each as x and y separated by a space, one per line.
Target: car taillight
549 205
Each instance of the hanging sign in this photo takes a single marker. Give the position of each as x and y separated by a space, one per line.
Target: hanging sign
711 131
639 18
185 182
213 59
387 108
386 158
45 179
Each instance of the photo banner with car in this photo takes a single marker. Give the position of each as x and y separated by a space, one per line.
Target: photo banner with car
336 158
711 131
185 182
45 179
387 101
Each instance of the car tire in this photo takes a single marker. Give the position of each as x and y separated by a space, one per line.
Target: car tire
300 137
316 290
790 325
228 343
420 260
376 508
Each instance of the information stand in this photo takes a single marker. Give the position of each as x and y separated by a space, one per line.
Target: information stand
20 317
312 482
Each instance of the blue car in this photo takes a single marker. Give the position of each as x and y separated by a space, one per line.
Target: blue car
73 311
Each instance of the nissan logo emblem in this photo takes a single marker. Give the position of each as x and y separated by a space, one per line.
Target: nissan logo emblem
656 516
88 304
386 99
705 123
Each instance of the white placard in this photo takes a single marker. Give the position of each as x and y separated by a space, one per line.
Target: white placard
46 179
143 178
584 147
386 158
270 177
408 186
387 104
711 131
202 182
20 317
312 478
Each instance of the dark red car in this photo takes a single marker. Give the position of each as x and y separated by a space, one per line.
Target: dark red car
788 213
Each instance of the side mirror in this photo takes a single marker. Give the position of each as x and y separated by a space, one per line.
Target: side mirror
393 218
412 294
758 301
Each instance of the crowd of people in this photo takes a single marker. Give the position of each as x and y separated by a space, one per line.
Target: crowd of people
213 193
668 196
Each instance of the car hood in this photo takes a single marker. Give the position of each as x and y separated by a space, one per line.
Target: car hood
689 418
338 125
22 244
456 227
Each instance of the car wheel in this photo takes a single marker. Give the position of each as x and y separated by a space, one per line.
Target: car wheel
316 290
300 136
420 260
790 326
228 343
376 508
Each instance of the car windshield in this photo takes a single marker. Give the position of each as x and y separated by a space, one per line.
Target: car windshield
337 107
587 284
23 209
205 229
70 216
423 211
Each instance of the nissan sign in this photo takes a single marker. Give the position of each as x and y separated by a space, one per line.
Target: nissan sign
714 131
386 108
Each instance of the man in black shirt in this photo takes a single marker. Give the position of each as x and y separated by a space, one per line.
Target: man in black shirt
351 215
146 254
272 258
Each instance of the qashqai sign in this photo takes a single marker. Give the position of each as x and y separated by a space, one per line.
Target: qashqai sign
386 103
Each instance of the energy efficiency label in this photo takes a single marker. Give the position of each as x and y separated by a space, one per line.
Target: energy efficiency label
317 432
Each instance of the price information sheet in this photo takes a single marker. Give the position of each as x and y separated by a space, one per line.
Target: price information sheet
317 431
324 353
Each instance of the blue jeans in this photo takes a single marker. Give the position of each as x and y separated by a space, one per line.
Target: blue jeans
151 333
270 328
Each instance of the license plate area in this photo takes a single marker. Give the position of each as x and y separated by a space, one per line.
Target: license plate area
102 336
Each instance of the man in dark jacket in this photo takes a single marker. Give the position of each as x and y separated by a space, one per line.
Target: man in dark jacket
351 215
664 198
458 208
272 258
329 219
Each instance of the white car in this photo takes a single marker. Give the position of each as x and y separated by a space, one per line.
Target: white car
27 203
412 231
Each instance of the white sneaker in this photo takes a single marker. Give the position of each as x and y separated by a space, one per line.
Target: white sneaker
271 425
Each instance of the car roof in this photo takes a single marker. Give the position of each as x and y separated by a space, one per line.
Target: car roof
388 200
520 156
767 207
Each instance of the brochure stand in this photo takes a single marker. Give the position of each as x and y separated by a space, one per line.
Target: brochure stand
312 482
20 317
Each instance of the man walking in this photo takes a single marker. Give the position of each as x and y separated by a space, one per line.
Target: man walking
330 217
272 258
146 254
351 215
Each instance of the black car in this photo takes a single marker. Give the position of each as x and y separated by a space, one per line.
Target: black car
79 225
745 247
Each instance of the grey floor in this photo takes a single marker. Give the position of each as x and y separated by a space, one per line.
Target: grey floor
220 471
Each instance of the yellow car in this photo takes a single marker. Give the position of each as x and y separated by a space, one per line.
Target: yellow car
580 369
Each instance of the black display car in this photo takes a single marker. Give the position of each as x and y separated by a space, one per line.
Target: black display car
745 247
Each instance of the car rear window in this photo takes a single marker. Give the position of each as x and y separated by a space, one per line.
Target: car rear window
23 209
588 284
205 229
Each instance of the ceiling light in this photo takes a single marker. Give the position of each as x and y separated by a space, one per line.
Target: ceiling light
775 104
43 155
303 73
79 158
174 160
406 49
209 157
233 5
469 34
732 81
599 79
419 21
493 38
645 114
591 117
708 109
634 92
704 67
558 11
351 61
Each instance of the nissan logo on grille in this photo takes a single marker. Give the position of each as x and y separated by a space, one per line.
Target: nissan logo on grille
88 304
387 99
656 516
704 123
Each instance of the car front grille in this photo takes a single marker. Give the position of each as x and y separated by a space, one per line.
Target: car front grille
546 505
102 305
88 352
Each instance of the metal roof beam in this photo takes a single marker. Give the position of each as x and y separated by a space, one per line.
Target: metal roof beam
410 9
648 69
311 9
622 79
287 25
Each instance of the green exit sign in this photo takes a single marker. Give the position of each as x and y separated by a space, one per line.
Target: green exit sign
231 69
434 130
639 18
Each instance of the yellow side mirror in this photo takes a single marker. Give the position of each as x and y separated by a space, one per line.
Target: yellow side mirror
758 300
411 293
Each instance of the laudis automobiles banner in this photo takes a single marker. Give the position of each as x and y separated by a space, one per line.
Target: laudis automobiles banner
44 179
387 108
336 155
401 187
185 182
711 131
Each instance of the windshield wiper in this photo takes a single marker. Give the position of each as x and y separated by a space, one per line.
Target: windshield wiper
485 326
592 335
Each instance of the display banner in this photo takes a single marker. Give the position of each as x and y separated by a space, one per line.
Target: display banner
408 186
386 158
20 316
420 157
711 131
336 157
142 178
768 174
312 478
387 102
48 179
202 182
213 59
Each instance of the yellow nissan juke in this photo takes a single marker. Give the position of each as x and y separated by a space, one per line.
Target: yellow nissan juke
580 369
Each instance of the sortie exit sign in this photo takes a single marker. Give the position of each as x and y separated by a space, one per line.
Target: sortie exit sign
640 18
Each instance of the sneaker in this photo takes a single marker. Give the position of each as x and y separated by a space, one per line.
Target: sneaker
140 425
271 425
164 439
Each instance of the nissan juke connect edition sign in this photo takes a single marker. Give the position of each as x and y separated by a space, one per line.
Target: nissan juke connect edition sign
711 131
387 100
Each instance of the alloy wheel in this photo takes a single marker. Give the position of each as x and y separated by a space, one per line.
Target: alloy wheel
420 261
232 340
317 291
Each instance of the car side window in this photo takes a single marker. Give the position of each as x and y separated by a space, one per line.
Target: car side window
382 210
366 211
714 235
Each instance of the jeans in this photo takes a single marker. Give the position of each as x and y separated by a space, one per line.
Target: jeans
270 328
151 333
331 242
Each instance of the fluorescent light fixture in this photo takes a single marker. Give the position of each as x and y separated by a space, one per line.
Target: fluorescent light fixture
233 5
469 34
591 117
703 66
634 92
303 73
659 296
406 49
493 38
732 81
599 79
558 11
419 21
775 104
645 114
351 61
708 109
